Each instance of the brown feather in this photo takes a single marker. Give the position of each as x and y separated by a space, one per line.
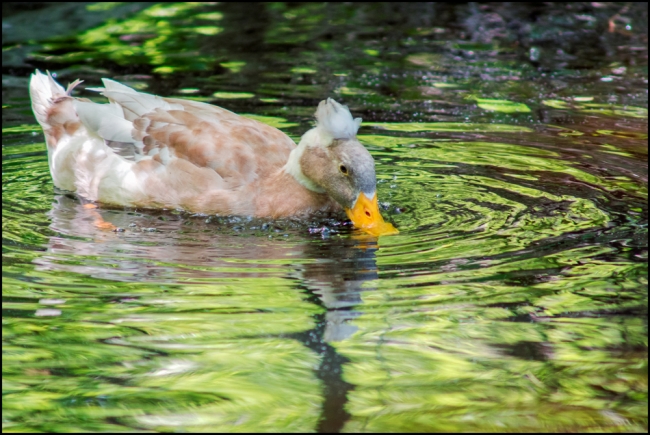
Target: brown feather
208 160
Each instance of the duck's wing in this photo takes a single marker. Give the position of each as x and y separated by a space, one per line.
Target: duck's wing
238 149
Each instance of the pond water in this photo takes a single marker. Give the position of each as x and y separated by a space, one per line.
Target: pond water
511 152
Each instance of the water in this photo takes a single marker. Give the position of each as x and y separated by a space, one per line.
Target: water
513 161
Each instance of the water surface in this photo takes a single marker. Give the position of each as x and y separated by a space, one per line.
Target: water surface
511 154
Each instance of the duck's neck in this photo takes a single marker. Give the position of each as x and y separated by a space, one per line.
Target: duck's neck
294 168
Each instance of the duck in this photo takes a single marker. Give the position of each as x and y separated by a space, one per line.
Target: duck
145 151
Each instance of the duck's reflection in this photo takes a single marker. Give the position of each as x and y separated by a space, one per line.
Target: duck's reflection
167 248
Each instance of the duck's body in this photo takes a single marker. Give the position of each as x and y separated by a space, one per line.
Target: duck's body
196 156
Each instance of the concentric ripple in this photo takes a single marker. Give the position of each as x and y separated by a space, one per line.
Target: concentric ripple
491 233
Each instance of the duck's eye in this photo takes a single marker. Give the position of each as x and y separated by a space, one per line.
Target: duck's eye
343 169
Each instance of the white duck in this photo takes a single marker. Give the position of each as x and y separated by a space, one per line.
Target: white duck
202 158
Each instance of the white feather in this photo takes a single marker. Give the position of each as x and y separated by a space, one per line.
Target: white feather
105 120
134 103
335 120
165 156
292 167
43 89
112 85
81 161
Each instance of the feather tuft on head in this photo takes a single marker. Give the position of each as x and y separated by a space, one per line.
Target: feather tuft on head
335 120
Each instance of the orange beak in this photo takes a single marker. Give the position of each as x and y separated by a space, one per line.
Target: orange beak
365 215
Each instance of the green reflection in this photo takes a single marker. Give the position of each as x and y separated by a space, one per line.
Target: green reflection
601 109
234 66
446 126
503 106
446 353
233 95
103 6
273 121
152 37
502 155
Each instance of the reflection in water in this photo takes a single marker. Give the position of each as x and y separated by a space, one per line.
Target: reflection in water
172 248
510 290
164 251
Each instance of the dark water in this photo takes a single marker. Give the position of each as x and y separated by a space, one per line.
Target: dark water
511 150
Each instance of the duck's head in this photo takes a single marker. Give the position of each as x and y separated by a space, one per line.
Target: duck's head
330 159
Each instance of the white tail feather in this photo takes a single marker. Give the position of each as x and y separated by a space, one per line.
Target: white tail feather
43 89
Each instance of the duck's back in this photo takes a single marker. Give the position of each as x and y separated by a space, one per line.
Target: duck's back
184 154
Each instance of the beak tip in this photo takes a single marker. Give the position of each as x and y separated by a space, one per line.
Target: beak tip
365 215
